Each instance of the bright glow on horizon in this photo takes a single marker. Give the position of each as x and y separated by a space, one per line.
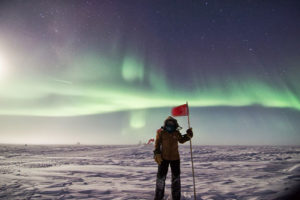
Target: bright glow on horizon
2 66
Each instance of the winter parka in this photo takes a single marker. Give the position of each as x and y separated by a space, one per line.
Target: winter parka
166 143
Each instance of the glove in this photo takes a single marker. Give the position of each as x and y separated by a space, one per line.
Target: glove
158 158
189 132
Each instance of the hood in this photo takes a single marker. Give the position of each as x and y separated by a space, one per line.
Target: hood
171 119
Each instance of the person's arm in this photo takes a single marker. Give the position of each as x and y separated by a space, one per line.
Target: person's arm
186 137
157 146
157 152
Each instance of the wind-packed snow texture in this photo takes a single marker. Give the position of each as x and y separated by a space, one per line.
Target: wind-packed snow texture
129 172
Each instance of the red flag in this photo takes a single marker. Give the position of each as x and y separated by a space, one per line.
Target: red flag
181 110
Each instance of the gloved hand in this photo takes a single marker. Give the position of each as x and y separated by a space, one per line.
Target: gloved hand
189 132
158 158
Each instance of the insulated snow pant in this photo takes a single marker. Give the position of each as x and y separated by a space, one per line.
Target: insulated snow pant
161 177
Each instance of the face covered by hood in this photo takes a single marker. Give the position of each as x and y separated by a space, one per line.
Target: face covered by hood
170 124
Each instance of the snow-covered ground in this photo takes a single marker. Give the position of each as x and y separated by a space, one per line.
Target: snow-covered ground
129 172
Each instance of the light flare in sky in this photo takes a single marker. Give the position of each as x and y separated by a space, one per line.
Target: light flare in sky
2 65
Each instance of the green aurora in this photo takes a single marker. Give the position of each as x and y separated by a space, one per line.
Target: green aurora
92 87
109 72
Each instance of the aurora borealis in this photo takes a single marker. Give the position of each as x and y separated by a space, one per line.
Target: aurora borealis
107 62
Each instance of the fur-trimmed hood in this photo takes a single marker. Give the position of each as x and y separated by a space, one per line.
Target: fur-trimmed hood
170 118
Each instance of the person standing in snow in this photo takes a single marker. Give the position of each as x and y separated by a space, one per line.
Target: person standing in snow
166 153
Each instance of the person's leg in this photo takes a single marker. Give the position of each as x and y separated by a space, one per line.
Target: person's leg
160 180
176 186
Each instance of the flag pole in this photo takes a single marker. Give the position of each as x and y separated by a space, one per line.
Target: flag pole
191 151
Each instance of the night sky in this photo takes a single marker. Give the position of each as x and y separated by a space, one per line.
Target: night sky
108 72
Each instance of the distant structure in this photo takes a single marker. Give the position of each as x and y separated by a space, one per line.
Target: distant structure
150 141
78 143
